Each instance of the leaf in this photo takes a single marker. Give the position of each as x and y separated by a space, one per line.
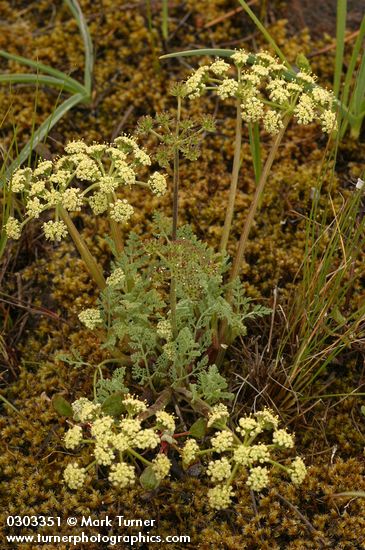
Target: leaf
352 64
76 10
265 32
107 387
113 405
41 67
212 386
37 79
362 410
148 479
204 51
340 44
199 428
62 406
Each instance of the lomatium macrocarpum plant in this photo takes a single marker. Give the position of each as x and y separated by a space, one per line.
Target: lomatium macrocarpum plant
167 300
128 445
87 175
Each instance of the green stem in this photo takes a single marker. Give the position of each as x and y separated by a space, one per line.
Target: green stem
277 465
234 181
138 456
265 33
173 307
91 265
233 475
175 203
175 213
115 228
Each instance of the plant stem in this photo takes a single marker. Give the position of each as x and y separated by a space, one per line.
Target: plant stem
165 15
91 265
115 229
173 306
175 203
255 203
198 405
234 180
175 213
138 456
163 399
232 476
246 231
116 236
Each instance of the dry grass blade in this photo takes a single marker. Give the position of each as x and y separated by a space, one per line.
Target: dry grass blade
320 324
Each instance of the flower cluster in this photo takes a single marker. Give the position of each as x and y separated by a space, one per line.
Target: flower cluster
266 90
120 443
91 318
117 442
243 453
85 175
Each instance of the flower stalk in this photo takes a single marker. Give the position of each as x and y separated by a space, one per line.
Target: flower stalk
91 265
237 263
175 214
256 200
234 180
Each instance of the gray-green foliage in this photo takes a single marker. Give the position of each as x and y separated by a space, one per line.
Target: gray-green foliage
136 312
187 140
106 387
210 386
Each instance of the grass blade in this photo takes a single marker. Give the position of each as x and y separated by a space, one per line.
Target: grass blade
41 67
347 117
357 103
165 19
43 130
359 92
340 44
265 33
255 147
204 51
353 61
74 7
37 79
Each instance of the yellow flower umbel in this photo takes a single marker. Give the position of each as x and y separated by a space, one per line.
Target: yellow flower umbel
74 476
85 176
243 454
266 89
115 442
